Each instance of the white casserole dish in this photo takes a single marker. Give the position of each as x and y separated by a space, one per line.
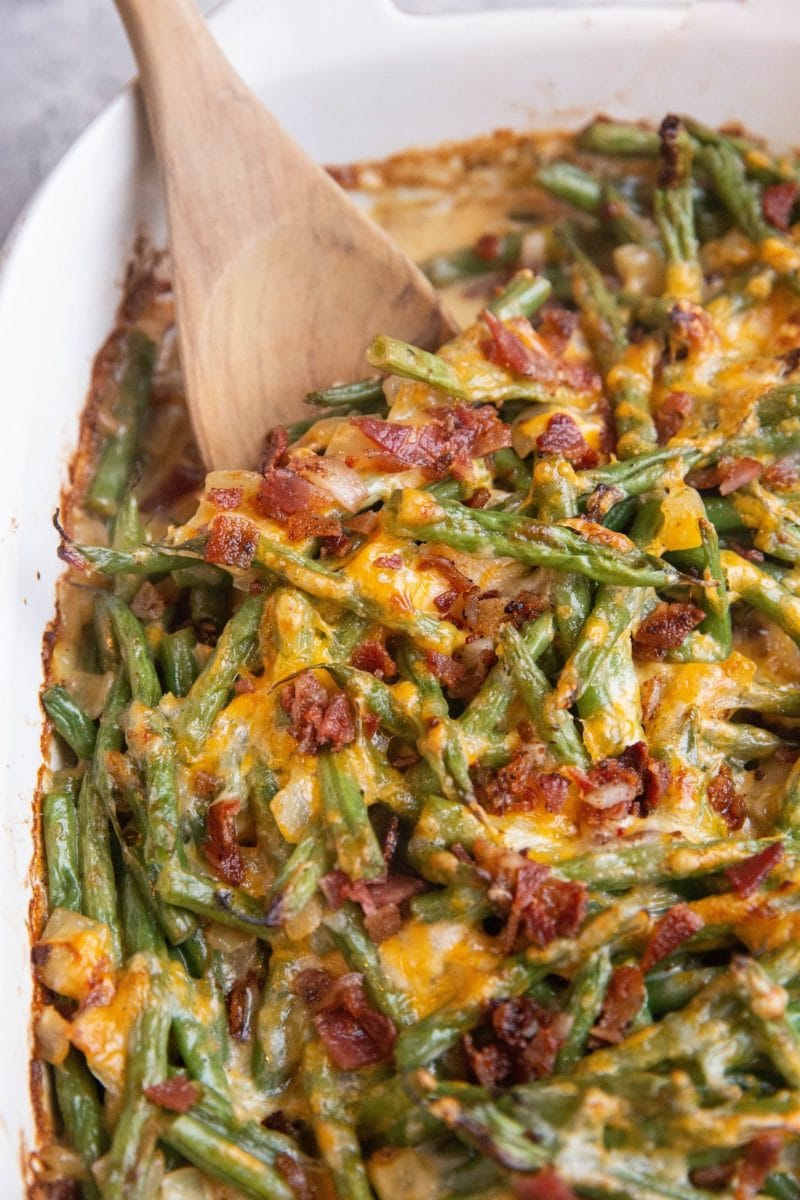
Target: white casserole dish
350 79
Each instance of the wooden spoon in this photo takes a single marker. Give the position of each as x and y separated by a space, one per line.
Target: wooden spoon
280 280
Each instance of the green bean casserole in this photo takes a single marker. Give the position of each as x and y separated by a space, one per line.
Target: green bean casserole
422 820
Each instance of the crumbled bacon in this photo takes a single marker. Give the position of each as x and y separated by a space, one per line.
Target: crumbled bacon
507 349
309 524
178 1094
232 542
724 798
283 494
543 1185
364 523
524 607
557 325
221 848
520 1042
728 475
390 562
276 444
225 497
669 164
337 545
689 327
782 475
678 924
672 414
372 656
562 436
354 1034
747 876
449 439
540 907
522 786
623 999
148 603
777 202
380 899
666 628
761 1156
446 669
458 581
317 718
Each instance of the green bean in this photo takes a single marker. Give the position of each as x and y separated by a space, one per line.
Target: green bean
209 608
98 883
758 588
738 195
522 297
615 137
766 1009
211 689
130 1157
366 395
222 1157
298 878
673 200
177 660
140 931
280 1025
490 704
82 1114
468 261
60 830
584 1006
76 728
210 898
134 651
118 456
554 725
332 1125
347 930
127 532
461 903
554 498
486 532
670 989
358 852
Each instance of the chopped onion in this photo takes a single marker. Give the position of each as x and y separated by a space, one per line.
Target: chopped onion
641 269
331 475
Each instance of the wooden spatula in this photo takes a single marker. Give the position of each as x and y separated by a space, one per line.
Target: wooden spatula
280 280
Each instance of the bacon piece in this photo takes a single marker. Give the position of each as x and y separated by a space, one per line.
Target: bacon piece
178 1094
746 877
372 656
445 566
656 781
317 718
354 1034
283 494
380 899
544 908
725 800
507 349
728 475
562 436
761 1156
232 542
777 202
612 786
364 523
625 996
446 669
522 786
672 414
557 325
678 924
450 438
782 475
525 606
524 1043
221 847
182 480
543 1185
391 562
309 524
225 497
276 444
667 627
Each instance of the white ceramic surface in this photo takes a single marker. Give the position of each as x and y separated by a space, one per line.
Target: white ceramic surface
350 78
